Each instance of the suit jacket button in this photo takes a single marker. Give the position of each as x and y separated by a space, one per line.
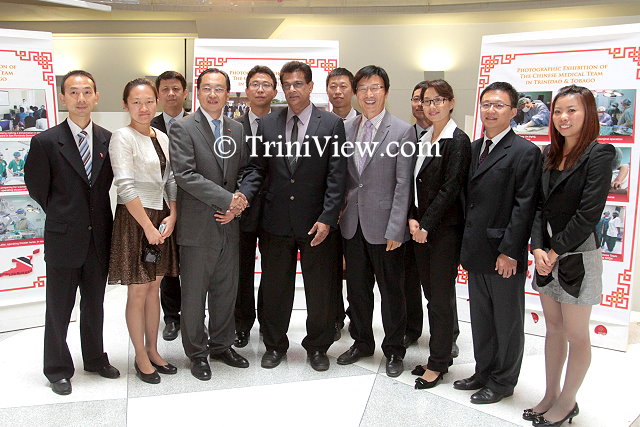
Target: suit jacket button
360 185
292 197
89 227
224 183
293 181
419 179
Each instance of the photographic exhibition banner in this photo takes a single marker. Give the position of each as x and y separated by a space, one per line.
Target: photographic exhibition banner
27 106
607 61
237 57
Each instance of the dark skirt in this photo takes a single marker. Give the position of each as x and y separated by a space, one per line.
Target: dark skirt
125 264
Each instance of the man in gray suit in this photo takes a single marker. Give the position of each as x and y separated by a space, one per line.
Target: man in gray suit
207 153
374 221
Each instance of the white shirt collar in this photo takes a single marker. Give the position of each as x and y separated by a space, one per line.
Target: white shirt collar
447 132
304 115
496 139
75 130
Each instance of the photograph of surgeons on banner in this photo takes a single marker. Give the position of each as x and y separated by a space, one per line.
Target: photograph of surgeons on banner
620 171
13 154
23 110
20 219
533 115
616 111
610 232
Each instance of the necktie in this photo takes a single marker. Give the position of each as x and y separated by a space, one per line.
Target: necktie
366 139
485 152
172 120
85 153
294 138
422 134
218 141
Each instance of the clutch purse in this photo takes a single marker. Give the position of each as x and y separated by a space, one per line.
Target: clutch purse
150 254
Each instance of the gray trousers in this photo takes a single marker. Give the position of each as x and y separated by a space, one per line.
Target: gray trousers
213 274
497 325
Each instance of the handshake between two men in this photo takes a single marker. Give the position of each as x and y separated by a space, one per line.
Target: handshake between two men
238 204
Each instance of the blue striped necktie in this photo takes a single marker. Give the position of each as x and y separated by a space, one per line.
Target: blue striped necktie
85 153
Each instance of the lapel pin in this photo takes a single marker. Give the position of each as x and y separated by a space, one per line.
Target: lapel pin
102 155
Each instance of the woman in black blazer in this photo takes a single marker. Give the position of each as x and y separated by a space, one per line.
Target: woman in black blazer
573 191
436 222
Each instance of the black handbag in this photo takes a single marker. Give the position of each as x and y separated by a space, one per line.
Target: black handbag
150 253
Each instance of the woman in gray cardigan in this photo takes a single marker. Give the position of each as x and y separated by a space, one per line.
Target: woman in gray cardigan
143 248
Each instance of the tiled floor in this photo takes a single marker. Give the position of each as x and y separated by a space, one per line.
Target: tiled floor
292 394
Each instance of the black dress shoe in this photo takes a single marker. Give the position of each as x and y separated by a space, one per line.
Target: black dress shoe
486 395
422 384
62 387
271 359
200 369
152 378
408 341
170 331
318 360
231 358
541 421
455 350
395 366
418 370
242 339
531 415
107 371
352 356
167 369
470 383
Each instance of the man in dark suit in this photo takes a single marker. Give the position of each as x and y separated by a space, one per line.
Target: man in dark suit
172 92
68 172
501 195
374 221
303 198
207 153
340 92
261 89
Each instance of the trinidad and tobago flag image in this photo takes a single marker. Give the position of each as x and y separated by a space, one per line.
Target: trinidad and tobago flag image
23 265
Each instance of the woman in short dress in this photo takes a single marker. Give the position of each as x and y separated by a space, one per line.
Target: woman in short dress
575 181
436 223
145 218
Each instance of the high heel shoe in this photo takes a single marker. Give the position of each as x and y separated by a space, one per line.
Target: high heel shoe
167 369
542 421
418 370
152 378
422 384
531 415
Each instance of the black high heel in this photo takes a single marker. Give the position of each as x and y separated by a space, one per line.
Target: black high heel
542 421
422 384
152 378
531 415
167 369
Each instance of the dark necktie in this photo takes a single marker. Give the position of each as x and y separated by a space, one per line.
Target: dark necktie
294 138
485 152
422 134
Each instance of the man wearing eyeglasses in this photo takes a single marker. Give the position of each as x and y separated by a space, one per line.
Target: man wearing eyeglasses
374 222
261 89
207 153
172 92
303 196
501 196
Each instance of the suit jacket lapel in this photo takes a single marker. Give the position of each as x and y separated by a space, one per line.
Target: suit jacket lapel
312 129
497 153
227 131
565 173
100 151
69 150
207 134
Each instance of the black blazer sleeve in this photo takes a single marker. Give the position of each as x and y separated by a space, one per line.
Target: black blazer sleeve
256 170
37 173
592 202
456 170
336 179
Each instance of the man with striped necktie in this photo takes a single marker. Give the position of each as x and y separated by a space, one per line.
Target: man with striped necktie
68 172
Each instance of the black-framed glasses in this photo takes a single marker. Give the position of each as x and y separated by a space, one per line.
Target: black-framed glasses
439 101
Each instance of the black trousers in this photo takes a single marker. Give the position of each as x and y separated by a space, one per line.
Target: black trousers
279 256
437 262
366 264
62 283
340 311
170 299
497 325
414 297
245 313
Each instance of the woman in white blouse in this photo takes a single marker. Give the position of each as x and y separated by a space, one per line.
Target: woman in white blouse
143 249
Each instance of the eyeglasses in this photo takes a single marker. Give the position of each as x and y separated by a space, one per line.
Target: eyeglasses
416 100
373 88
219 90
439 101
296 85
263 85
498 106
